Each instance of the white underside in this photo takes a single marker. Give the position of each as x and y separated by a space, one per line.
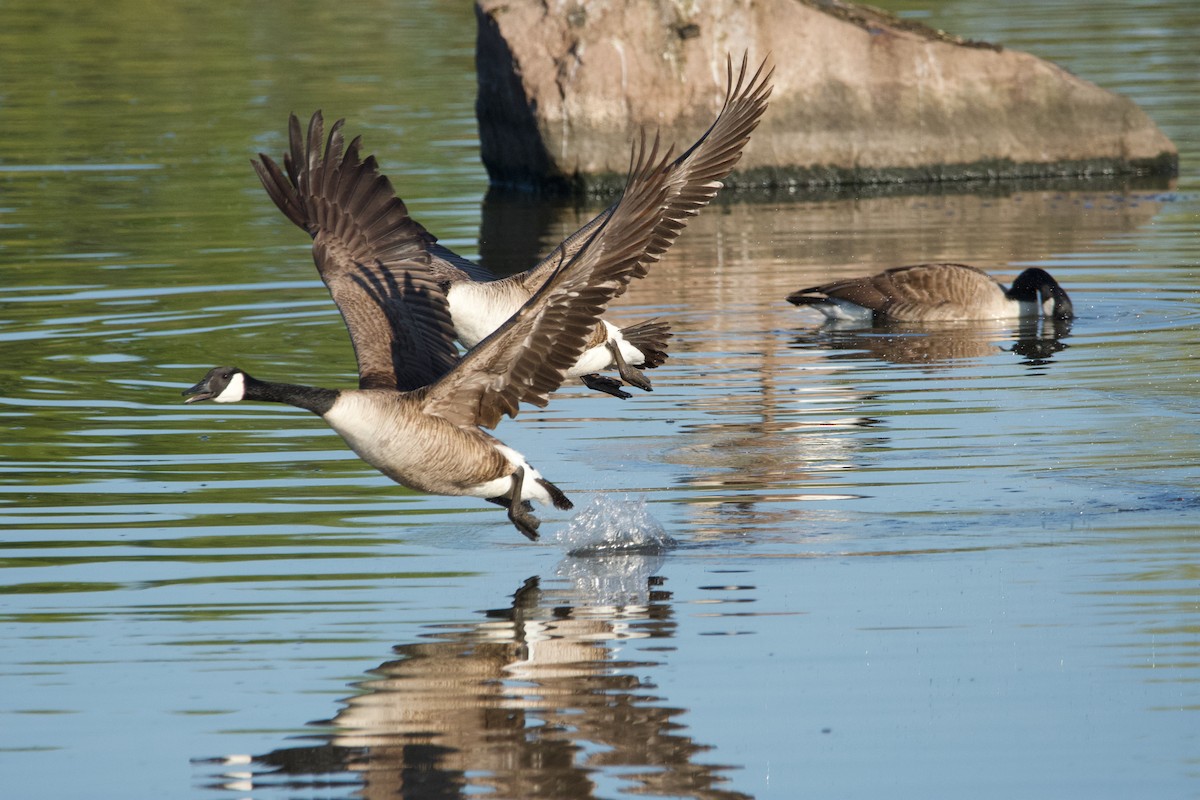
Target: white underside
530 488
476 314
600 358
839 310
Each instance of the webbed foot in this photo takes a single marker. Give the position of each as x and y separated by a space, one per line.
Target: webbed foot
630 374
520 512
602 383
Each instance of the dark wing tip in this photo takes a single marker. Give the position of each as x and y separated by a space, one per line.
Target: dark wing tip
365 247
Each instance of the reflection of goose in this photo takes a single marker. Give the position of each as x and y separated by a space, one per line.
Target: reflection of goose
950 344
937 292
531 700
417 413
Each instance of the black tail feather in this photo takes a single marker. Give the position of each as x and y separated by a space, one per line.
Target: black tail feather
556 495
650 337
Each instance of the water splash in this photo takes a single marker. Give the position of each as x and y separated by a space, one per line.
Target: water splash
614 549
612 526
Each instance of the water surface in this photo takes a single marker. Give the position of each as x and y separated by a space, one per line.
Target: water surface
899 561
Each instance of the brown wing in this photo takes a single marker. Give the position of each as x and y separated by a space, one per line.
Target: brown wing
917 286
527 357
693 179
374 258
450 266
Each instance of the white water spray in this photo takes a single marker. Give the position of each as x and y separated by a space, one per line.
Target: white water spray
610 525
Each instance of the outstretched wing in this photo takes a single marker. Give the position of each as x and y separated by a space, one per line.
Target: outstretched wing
528 356
374 258
693 179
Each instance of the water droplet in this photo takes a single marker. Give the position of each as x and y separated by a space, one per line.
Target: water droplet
615 525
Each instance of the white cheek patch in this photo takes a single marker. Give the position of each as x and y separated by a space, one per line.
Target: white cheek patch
235 391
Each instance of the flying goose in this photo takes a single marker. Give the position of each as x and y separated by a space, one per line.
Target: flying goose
937 292
418 410
479 303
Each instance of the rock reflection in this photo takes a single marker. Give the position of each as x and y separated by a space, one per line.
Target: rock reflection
530 701
739 251
946 344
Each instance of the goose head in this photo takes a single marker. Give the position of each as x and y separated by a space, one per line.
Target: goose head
1037 284
221 385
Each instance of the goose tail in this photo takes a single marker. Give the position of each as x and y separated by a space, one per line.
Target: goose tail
649 337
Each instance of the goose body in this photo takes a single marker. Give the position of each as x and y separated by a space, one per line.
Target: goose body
479 307
479 303
937 293
389 431
420 408
427 452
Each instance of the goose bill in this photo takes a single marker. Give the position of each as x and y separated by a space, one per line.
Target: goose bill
199 393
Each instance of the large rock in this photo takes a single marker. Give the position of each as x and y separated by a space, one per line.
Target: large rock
859 96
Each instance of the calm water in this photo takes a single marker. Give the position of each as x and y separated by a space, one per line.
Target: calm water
936 563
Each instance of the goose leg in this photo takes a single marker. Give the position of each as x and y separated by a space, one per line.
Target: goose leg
602 383
631 375
519 511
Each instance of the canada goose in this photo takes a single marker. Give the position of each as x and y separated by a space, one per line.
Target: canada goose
479 303
417 412
937 292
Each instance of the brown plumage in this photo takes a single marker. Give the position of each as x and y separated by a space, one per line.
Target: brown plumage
937 292
479 303
418 411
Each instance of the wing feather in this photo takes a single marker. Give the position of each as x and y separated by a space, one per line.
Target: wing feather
527 358
693 179
373 257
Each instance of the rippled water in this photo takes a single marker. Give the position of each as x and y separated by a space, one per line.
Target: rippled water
934 562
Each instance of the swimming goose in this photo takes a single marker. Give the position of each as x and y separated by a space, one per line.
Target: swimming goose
479 303
418 410
937 292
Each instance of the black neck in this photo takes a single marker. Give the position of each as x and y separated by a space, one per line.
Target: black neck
1031 284
310 398
1036 285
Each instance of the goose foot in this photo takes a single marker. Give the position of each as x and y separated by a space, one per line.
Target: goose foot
520 511
630 374
604 384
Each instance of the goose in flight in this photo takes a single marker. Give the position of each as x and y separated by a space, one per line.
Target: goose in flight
479 303
420 408
937 293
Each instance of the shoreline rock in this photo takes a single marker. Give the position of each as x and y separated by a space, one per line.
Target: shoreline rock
860 97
